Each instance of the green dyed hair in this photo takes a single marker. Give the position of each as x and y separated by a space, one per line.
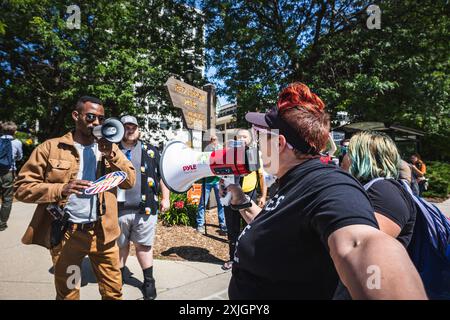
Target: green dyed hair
373 155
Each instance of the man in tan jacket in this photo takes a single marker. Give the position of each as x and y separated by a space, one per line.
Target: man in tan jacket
57 172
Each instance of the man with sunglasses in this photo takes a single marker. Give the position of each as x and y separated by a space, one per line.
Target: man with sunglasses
56 174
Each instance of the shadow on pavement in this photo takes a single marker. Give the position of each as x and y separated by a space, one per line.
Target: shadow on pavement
88 276
130 280
191 253
215 237
211 228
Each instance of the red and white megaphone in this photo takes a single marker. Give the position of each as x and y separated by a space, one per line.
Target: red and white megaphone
181 166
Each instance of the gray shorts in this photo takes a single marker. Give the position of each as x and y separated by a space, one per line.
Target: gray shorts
137 227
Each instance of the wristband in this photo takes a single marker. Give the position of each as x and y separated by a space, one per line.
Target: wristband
245 205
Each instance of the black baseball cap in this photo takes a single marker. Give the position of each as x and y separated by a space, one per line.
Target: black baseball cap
273 120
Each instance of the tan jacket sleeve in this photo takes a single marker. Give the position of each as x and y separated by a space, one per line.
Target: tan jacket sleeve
30 185
120 163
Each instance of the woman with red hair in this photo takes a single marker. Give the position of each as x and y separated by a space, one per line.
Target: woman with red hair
319 226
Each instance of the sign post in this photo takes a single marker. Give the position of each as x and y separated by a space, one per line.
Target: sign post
198 108
191 100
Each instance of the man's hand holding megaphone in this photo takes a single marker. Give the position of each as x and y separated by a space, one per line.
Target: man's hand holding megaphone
105 147
111 131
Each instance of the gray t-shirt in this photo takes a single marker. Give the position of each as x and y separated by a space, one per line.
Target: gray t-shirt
133 195
83 208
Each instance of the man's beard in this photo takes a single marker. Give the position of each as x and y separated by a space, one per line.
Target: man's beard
87 131
127 140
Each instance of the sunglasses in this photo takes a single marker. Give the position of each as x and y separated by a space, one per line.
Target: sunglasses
90 117
257 129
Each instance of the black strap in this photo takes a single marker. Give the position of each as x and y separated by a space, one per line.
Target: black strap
143 178
101 194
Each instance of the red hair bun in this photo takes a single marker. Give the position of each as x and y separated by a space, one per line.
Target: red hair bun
298 94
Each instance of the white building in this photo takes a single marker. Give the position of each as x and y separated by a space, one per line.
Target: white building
158 128
226 116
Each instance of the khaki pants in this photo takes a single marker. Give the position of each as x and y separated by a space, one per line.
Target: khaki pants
104 260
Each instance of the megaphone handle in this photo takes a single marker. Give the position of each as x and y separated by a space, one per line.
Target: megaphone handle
225 201
224 183
204 202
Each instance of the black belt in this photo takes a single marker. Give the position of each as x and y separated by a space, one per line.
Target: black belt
82 226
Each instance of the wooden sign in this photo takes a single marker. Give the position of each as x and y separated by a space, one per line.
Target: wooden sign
193 102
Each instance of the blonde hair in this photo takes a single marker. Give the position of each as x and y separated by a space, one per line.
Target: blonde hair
373 155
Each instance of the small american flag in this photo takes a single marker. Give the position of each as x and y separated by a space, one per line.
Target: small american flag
106 182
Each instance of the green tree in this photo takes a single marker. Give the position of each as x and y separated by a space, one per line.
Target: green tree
259 46
398 73
123 53
402 74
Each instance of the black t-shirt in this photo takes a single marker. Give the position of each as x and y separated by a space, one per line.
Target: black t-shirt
390 199
283 252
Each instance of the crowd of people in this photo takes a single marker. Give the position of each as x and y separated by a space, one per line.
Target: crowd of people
313 236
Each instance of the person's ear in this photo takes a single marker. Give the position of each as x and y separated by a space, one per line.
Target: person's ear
282 143
75 115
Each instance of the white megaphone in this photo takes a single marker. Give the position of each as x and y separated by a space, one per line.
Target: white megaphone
111 129
181 166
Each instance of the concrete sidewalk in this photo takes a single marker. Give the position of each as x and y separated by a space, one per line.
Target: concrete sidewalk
25 271
444 207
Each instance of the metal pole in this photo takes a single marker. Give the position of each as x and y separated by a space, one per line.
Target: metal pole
210 124
211 109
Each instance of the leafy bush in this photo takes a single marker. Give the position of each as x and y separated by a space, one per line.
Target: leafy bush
27 147
438 174
180 212
435 146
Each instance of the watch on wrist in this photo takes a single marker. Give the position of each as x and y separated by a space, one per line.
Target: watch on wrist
246 204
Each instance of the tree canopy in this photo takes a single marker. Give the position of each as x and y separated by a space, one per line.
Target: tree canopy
396 74
125 50
122 53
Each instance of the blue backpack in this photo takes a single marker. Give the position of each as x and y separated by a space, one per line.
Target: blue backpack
429 248
6 154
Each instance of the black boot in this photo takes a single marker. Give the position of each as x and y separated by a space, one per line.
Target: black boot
148 287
